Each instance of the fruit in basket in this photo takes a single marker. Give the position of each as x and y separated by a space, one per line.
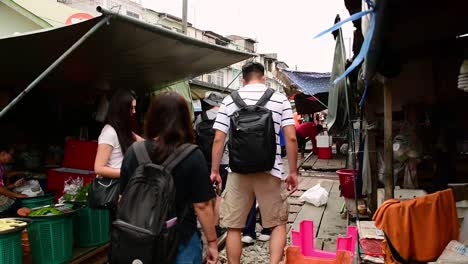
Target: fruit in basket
8 224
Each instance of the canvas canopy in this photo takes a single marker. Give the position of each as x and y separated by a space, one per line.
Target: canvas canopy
124 52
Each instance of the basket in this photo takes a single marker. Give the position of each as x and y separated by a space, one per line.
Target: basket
347 182
33 202
51 239
11 251
92 227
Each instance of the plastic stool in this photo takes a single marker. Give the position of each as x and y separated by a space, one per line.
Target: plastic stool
304 239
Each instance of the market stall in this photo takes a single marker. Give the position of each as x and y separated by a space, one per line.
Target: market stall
54 90
407 120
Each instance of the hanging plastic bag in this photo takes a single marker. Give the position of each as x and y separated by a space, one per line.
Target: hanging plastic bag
71 188
316 195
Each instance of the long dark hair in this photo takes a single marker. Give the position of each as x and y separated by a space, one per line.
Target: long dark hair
119 116
168 121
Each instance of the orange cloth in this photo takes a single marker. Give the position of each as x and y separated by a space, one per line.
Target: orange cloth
419 229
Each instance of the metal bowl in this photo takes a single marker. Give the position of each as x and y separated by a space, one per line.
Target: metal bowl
18 228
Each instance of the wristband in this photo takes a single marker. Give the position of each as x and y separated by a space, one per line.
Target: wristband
211 241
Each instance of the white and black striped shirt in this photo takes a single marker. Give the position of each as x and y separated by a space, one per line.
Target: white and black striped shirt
278 104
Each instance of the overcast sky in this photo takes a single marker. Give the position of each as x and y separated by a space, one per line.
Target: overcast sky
283 27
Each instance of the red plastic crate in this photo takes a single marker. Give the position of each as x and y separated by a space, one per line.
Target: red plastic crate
80 154
56 178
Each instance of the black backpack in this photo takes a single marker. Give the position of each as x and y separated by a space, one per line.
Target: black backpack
205 136
252 137
146 227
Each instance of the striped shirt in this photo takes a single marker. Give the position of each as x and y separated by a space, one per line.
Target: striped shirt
279 106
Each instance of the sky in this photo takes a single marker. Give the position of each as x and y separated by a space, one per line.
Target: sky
285 27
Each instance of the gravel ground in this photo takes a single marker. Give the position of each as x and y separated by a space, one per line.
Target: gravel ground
256 253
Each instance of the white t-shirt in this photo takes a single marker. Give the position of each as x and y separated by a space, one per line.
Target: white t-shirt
109 137
279 106
211 114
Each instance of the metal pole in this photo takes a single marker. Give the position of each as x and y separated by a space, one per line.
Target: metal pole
235 78
388 140
184 17
53 65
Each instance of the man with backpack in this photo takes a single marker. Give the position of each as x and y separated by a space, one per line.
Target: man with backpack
205 137
253 117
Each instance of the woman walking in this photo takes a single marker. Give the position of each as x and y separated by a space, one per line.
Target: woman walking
168 126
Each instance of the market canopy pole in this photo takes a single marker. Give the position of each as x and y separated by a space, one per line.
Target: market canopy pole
54 65
388 141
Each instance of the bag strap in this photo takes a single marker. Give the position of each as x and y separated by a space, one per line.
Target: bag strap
237 99
141 153
204 116
178 155
265 97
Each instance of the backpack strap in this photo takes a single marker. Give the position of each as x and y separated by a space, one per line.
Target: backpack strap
237 99
204 116
265 97
178 155
141 152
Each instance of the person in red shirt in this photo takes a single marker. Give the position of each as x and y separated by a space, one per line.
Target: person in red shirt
305 132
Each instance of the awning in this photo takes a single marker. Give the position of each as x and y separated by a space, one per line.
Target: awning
199 89
310 83
337 101
307 104
125 52
411 29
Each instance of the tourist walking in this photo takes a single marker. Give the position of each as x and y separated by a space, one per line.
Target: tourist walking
169 131
253 117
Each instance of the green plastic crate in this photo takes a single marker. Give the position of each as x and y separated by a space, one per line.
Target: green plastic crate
51 239
11 251
92 227
39 201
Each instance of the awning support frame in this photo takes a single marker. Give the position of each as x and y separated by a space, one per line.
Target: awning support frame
54 65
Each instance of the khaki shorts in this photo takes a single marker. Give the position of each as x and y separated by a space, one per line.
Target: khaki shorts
242 189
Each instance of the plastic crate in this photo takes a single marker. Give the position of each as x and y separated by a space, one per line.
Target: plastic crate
92 227
346 177
38 201
11 251
80 154
57 178
51 239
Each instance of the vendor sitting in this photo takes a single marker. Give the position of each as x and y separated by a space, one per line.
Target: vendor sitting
8 202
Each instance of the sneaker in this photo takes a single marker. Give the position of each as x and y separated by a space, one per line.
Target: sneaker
263 237
248 240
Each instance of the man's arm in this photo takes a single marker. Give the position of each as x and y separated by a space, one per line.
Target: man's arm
291 152
216 155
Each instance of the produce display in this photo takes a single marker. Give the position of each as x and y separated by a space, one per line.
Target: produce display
9 224
46 211
80 195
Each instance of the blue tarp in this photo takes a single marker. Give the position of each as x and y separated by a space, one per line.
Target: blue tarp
311 83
